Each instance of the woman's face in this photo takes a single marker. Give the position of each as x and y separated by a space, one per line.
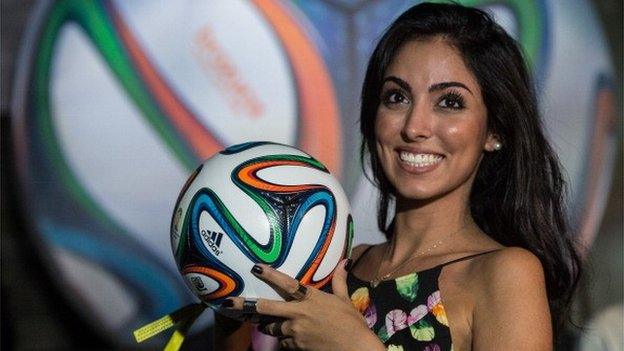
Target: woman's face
430 128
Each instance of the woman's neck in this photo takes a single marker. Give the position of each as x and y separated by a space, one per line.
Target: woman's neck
420 225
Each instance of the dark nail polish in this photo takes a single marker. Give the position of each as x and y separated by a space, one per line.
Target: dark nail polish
256 269
348 265
227 303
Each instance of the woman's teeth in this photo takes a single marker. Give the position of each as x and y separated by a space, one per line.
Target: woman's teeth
420 160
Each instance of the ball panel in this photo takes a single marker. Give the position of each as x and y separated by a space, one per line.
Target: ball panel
305 234
338 247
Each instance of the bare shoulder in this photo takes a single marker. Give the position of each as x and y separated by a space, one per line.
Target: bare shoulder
510 267
511 298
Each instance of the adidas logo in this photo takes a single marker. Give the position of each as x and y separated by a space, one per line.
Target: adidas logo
213 240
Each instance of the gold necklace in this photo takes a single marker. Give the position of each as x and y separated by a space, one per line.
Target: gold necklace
378 279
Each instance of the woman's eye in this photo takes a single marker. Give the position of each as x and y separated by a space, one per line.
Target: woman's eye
394 97
452 101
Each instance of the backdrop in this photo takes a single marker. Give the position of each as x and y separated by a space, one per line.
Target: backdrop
114 103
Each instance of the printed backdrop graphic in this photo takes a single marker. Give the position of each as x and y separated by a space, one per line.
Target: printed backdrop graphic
116 102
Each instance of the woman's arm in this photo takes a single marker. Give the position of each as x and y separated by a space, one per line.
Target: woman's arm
231 335
511 311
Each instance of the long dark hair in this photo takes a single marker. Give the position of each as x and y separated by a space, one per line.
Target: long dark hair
517 197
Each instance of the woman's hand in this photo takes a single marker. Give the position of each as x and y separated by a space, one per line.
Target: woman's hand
312 319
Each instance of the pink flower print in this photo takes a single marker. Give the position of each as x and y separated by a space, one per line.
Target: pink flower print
433 299
432 347
395 320
371 316
434 304
417 314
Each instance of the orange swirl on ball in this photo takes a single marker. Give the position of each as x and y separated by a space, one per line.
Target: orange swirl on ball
248 176
226 284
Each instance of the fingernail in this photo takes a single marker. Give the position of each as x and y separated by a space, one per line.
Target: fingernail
348 264
227 303
256 269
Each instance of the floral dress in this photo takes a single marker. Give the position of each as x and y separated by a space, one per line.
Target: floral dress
407 312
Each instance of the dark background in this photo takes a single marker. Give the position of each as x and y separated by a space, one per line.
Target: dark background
36 316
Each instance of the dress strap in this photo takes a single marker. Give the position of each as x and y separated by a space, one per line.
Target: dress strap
467 257
360 257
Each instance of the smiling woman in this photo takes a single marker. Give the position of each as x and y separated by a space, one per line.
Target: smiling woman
431 128
479 255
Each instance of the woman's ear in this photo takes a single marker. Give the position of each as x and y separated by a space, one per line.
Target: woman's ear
493 143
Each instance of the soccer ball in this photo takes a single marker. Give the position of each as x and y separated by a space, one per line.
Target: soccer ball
259 202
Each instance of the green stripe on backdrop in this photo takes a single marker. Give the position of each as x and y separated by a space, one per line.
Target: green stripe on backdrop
91 16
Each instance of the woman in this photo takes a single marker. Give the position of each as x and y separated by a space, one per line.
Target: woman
478 253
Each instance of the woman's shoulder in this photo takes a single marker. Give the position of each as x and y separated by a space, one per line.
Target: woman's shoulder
510 266
510 296
508 279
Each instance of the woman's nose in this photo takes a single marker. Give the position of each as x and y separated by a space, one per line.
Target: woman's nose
418 123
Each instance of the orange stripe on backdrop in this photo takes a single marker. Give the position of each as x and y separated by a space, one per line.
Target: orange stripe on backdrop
248 176
226 284
201 140
319 133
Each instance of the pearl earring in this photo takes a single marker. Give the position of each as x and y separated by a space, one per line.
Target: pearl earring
498 146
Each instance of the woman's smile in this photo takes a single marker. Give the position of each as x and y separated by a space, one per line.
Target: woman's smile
418 162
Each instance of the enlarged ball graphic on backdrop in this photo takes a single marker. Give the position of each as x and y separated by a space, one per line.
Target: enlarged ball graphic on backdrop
259 202
116 102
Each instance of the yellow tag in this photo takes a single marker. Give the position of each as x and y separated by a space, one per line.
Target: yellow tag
175 342
168 321
153 328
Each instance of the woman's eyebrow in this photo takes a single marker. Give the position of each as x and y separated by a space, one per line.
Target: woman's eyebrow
435 87
400 82
444 85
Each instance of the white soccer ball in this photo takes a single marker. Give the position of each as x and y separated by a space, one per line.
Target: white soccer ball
259 202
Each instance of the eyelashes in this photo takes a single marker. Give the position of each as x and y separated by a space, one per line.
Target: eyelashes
452 100
396 98
393 97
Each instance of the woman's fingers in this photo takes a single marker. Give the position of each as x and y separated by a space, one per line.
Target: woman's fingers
279 328
262 306
288 287
339 281
285 284
289 344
